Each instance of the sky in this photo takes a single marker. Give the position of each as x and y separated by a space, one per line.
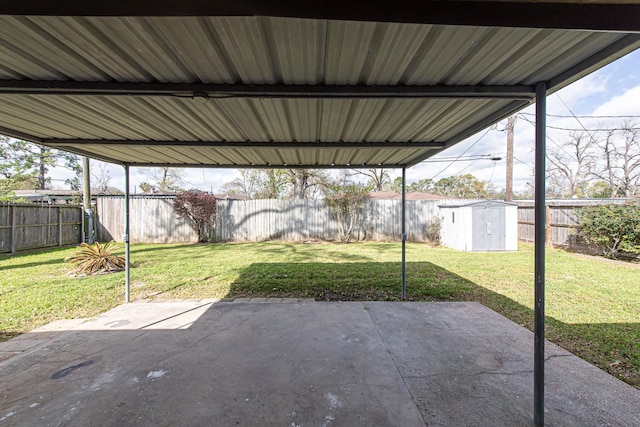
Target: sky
611 91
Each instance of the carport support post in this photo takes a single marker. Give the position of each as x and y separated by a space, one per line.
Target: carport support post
404 234
540 240
127 267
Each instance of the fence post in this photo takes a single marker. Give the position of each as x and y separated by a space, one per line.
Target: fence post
13 229
548 240
59 226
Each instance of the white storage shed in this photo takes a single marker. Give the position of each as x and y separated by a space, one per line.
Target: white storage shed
489 225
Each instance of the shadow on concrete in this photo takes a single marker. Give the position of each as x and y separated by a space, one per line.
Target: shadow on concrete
351 360
611 345
298 362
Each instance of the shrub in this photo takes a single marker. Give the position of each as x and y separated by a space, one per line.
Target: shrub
346 202
432 230
611 228
198 208
96 258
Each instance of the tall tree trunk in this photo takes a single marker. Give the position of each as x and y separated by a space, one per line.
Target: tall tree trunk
42 169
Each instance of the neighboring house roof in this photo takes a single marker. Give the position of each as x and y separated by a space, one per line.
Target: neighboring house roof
58 193
231 197
171 194
420 195
383 195
413 195
480 203
47 196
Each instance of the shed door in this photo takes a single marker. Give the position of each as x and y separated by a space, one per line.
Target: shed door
489 229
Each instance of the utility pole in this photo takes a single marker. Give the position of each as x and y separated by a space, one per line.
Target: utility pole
86 201
511 121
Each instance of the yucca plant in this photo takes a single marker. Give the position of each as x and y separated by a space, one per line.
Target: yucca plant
96 258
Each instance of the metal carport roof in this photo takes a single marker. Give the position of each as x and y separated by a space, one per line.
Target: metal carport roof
272 83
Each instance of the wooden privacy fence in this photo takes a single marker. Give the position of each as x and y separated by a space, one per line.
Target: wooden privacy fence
561 221
30 226
152 220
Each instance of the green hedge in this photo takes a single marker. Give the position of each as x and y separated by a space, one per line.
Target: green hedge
613 229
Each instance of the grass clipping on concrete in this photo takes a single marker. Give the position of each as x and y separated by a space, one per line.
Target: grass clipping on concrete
593 305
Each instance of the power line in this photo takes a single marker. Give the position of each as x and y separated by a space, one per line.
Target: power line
591 129
583 128
548 137
463 153
561 116
524 163
468 166
461 159
492 171
574 116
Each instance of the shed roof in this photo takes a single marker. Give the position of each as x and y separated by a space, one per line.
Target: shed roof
479 204
282 83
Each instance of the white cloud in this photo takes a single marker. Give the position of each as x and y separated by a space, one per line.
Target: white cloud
628 103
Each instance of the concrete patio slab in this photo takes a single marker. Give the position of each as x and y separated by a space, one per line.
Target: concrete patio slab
298 363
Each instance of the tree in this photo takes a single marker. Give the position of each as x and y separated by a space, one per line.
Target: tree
570 164
8 186
10 153
496 193
198 208
21 159
246 185
620 168
146 188
395 185
101 177
307 183
165 178
378 179
279 183
597 190
424 185
464 186
346 202
274 184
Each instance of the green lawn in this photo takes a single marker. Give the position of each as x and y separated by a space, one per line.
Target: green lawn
593 305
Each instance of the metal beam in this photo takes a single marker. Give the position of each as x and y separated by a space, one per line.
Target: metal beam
241 144
612 16
502 113
268 165
19 135
200 92
607 55
539 258
126 237
404 234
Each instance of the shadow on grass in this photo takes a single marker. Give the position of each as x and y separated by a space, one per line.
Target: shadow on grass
294 253
613 347
17 256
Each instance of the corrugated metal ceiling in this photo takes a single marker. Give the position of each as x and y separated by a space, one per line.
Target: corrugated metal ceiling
274 51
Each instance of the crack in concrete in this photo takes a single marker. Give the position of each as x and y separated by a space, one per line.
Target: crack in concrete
176 315
474 374
555 356
395 364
